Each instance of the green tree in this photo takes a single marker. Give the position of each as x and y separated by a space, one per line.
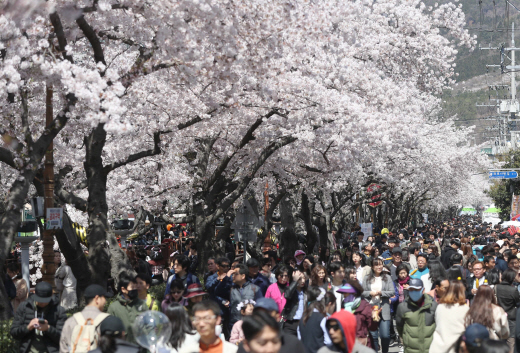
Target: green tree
502 190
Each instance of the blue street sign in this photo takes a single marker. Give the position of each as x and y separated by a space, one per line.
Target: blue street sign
506 174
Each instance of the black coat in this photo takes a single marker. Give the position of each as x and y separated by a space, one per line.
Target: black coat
123 346
509 299
55 316
445 257
291 306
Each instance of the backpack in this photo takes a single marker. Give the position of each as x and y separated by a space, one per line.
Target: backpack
84 335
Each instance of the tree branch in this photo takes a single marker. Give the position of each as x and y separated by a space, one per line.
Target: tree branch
67 196
88 31
25 119
139 155
248 137
242 185
60 34
7 157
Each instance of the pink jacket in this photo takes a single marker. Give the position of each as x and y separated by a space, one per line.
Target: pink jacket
237 335
274 292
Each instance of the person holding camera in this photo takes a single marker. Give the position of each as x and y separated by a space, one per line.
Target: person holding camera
38 321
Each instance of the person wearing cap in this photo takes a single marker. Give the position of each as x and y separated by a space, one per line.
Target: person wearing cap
38 321
127 305
387 255
341 327
255 276
415 318
95 299
299 255
472 338
397 259
112 338
289 343
361 309
193 294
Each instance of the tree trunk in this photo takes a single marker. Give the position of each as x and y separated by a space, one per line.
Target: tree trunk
288 237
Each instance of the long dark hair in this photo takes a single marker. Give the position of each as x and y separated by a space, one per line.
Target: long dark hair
181 324
312 295
436 270
384 276
481 310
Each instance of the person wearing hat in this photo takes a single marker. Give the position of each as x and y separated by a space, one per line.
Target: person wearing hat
38 321
341 327
472 338
299 255
95 298
290 343
193 294
127 305
358 306
112 338
415 318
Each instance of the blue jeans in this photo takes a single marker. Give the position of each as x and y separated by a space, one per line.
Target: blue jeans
384 333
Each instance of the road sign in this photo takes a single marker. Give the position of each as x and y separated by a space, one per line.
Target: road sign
54 218
246 222
506 174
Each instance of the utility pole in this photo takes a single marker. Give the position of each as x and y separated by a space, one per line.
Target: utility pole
48 267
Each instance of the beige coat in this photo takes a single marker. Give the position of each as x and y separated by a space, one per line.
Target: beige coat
449 320
500 329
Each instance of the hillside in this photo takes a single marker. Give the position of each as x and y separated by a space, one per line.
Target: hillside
491 25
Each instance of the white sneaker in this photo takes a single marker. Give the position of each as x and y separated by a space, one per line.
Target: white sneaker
401 350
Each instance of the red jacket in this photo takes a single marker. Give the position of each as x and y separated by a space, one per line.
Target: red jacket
347 322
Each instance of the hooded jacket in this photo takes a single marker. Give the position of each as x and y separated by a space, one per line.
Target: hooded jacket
416 324
127 310
53 313
347 324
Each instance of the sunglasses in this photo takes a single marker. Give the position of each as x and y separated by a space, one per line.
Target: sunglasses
333 327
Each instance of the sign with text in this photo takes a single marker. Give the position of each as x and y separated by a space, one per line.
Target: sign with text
367 229
504 174
54 218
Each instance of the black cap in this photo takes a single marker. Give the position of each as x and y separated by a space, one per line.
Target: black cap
95 289
397 250
252 262
112 326
42 292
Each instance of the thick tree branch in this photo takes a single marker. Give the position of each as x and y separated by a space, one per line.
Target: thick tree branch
25 119
248 137
7 157
60 34
139 155
67 196
88 31
242 185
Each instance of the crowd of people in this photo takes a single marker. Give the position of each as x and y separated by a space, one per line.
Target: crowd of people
445 287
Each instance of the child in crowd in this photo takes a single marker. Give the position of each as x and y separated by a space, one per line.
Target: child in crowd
246 308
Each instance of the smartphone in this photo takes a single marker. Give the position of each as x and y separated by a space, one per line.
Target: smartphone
41 321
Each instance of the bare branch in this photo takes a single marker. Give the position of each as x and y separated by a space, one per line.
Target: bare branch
67 196
139 155
60 34
92 37
25 119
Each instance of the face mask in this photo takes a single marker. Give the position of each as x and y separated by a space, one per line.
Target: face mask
132 294
415 295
